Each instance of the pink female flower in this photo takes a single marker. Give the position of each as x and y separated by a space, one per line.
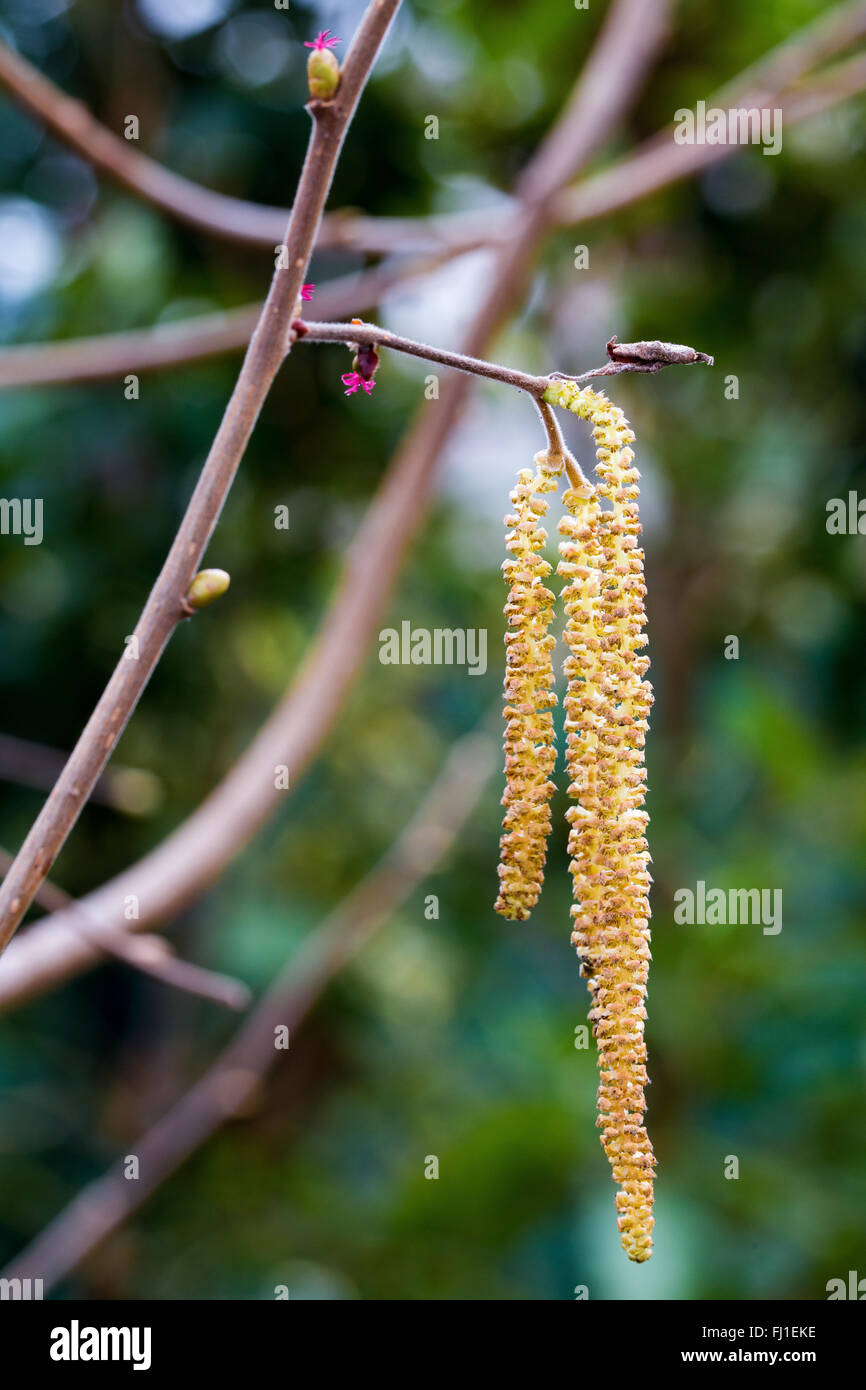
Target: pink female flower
322 40
323 70
352 380
307 291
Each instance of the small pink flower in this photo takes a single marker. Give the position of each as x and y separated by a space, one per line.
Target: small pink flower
322 40
352 380
307 291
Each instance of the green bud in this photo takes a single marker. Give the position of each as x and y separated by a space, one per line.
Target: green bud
323 74
207 585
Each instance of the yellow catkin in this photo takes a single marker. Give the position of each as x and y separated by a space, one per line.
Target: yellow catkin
607 709
530 749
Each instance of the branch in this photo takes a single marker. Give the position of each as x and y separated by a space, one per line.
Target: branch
233 1079
111 356
655 165
70 121
135 791
659 162
164 608
624 357
151 955
197 852
369 335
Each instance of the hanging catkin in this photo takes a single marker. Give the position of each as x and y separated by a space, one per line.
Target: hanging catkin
607 707
530 750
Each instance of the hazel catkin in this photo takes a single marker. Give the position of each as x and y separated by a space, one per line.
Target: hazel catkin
530 750
607 708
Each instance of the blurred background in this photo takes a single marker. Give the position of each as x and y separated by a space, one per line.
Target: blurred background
451 1037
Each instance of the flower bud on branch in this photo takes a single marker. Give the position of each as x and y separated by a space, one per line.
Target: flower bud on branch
323 70
205 587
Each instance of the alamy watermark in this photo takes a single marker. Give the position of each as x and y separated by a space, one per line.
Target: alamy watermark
440 646
738 125
21 1290
717 907
22 516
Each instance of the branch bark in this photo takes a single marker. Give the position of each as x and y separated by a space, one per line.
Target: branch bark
657 164
110 356
198 851
233 1079
163 611
152 955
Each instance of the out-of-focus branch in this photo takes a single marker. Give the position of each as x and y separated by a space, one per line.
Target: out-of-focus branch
191 858
133 790
111 356
150 954
660 162
657 164
775 79
165 606
70 121
233 1079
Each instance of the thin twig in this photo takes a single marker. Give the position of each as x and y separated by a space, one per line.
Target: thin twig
192 857
111 356
370 335
235 1077
150 954
660 162
135 791
359 334
69 120
655 165
164 608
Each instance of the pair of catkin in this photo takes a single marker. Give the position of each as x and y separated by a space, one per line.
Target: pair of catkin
607 707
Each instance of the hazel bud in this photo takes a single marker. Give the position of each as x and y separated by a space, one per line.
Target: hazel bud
323 70
205 587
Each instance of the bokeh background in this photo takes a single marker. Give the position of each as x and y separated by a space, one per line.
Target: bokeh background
452 1037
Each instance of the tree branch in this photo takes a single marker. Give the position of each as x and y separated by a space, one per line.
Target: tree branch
640 357
134 791
151 955
232 1080
369 335
191 858
70 121
655 165
659 161
163 610
111 356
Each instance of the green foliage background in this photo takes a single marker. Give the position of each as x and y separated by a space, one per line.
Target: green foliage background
453 1037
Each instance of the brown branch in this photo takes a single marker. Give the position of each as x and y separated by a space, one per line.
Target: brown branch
234 1078
624 357
111 356
151 955
191 858
774 79
659 162
134 791
70 121
163 610
370 335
